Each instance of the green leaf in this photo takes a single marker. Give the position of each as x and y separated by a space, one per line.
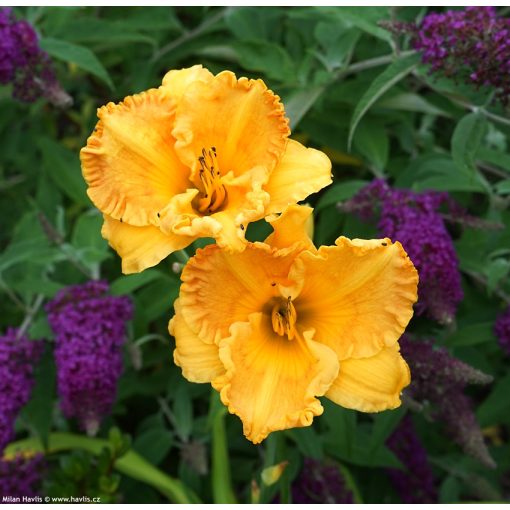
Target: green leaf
473 334
365 19
183 412
503 187
63 166
253 23
466 139
495 271
408 101
266 57
131 282
500 159
79 55
87 238
342 425
337 43
449 492
384 424
494 408
439 173
39 410
298 104
338 193
308 442
372 142
389 77
154 444
87 30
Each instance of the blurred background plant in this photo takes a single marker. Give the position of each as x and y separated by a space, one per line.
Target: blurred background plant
411 106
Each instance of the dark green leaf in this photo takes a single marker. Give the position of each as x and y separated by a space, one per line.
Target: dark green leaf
183 412
266 57
372 142
503 187
494 408
154 444
308 442
338 193
63 166
39 410
466 139
78 55
389 77
130 283
472 335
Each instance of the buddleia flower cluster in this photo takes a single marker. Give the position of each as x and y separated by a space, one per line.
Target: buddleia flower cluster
471 44
439 379
90 330
416 483
273 325
415 220
502 330
21 476
25 65
320 482
18 356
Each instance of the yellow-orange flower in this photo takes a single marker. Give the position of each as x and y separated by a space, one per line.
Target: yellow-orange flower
201 156
281 323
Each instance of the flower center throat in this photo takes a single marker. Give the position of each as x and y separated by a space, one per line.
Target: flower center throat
213 194
283 318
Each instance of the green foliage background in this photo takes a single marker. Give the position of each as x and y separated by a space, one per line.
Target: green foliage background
349 89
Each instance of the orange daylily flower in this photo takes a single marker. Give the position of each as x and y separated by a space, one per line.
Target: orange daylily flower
281 323
201 156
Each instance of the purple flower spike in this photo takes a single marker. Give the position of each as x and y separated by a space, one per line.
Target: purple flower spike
320 482
18 356
20 477
414 220
90 329
416 483
502 330
440 379
24 64
472 43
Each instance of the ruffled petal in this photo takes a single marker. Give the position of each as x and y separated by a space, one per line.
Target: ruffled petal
299 173
220 288
176 82
141 247
371 384
242 119
292 229
358 295
129 162
271 382
200 362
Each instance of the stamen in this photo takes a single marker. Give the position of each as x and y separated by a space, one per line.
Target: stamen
284 319
214 193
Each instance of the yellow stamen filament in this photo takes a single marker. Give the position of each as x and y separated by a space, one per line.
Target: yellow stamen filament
214 193
284 319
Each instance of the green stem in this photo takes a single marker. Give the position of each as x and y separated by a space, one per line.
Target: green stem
483 281
271 444
192 34
221 477
29 317
130 464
